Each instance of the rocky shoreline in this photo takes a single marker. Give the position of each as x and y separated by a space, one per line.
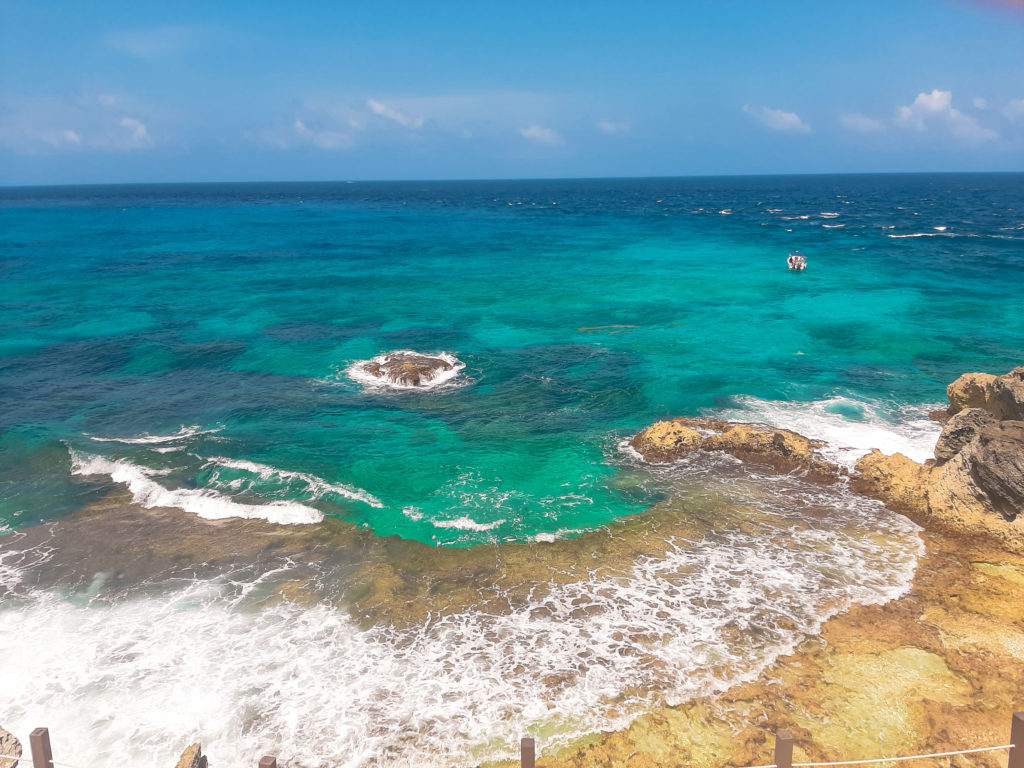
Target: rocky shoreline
941 668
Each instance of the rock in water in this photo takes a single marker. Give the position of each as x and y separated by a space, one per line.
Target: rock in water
781 449
9 746
406 368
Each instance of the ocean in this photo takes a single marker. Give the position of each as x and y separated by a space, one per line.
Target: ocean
212 528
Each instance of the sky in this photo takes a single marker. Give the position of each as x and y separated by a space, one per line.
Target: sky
112 92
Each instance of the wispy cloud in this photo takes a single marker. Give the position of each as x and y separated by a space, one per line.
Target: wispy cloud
394 114
101 122
322 138
153 43
1014 109
855 121
612 127
936 109
541 135
778 120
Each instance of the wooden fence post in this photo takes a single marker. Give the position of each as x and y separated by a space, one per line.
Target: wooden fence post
1016 758
39 741
527 753
268 761
784 749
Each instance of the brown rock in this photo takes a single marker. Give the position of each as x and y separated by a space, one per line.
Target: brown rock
996 460
192 757
9 746
780 449
408 368
971 390
895 480
960 430
666 441
1002 396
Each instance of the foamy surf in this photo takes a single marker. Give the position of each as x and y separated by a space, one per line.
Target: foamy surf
850 427
145 439
307 684
202 502
315 487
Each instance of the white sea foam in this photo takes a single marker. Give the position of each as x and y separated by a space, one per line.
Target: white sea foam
315 487
442 379
203 502
139 677
828 214
925 234
907 430
182 434
466 524
832 226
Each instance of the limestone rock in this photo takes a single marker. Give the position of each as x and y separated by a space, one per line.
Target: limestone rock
895 480
9 745
781 449
666 441
996 460
1002 396
960 430
971 390
192 757
408 369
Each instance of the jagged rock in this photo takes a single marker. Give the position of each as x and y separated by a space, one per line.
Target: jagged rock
785 451
1002 396
666 441
192 757
996 458
895 479
960 430
408 368
9 745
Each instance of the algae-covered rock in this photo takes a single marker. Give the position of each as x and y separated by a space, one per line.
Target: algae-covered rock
666 441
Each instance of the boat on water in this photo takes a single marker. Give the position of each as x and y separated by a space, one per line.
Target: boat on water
796 261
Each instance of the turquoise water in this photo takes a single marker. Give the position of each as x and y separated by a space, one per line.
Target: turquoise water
583 310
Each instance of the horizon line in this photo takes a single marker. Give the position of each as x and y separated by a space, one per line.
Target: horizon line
506 179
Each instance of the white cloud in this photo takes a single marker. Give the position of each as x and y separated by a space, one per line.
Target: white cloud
936 108
541 135
980 103
611 128
393 114
322 138
778 120
46 125
153 43
1014 109
855 121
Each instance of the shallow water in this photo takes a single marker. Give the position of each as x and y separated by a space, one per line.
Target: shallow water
188 349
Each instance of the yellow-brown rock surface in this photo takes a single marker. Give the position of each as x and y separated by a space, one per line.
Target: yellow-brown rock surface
938 669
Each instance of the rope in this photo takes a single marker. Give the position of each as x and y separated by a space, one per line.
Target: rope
892 759
24 757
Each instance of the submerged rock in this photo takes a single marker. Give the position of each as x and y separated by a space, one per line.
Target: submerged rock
783 450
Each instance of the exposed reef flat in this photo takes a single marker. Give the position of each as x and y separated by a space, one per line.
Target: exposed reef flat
938 669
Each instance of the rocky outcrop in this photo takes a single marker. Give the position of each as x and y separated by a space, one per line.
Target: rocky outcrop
407 369
9 746
192 757
976 484
960 430
1001 396
780 449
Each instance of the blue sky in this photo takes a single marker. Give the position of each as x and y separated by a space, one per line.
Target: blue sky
136 91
